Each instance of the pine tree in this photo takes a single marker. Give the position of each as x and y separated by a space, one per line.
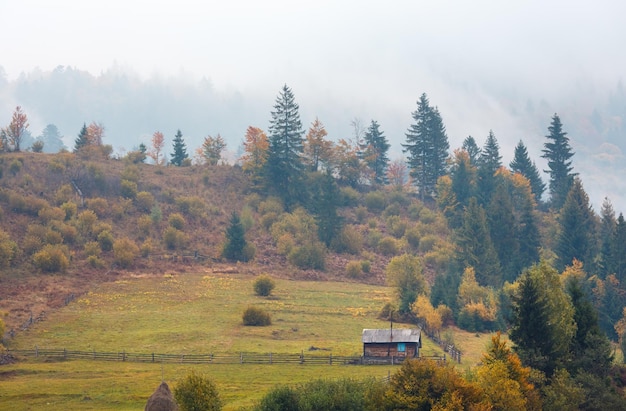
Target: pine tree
618 249
53 143
463 176
326 199
502 227
180 150
607 233
576 228
558 153
521 164
469 145
284 166
374 151
235 246
82 140
476 248
489 162
427 145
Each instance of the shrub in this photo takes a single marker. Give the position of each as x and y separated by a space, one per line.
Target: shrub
412 237
271 205
349 240
53 237
263 286
308 256
64 194
176 220
92 248
353 269
68 232
427 243
396 226
128 189
146 248
144 224
193 207
388 310
105 239
48 214
392 210
349 197
125 251
52 258
389 246
15 167
279 398
255 316
131 173
173 238
373 238
86 221
155 214
360 214
8 250
375 201
196 392
366 266
144 201
99 205
70 209
247 220
95 262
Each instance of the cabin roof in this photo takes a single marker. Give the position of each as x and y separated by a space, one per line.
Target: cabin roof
406 335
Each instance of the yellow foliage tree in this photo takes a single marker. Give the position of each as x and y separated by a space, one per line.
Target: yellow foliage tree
425 312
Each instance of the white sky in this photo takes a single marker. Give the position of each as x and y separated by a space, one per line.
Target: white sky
367 59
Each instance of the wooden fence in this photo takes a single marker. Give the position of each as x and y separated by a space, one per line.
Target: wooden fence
241 358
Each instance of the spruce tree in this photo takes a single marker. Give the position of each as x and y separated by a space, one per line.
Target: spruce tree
374 152
576 228
475 247
521 164
180 150
285 167
618 250
235 246
502 229
427 145
558 153
82 140
326 199
606 264
489 162
469 145
53 143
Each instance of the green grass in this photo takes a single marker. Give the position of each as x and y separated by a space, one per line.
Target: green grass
196 314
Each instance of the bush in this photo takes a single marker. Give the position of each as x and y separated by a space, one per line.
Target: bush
196 392
48 214
193 206
427 243
15 167
396 226
92 248
86 221
8 250
308 256
131 173
95 262
354 269
125 251
173 238
128 189
389 246
412 237
375 201
263 286
98 205
52 258
176 220
144 201
144 224
360 213
70 209
349 240
105 238
349 197
146 248
279 398
366 266
255 316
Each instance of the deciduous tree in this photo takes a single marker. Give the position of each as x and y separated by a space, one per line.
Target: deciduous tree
255 147
212 148
17 128
405 273
158 142
317 149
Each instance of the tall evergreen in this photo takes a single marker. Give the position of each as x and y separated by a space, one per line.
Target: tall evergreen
475 247
558 153
607 234
82 140
235 246
470 145
285 167
502 227
374 151
522 164
53 143
463 176
180 150
427 145
489 162
576 228
618 249
325 201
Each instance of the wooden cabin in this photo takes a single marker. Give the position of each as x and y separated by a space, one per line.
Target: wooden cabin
396 343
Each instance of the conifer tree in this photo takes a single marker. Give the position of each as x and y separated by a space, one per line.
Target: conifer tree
558 153
374 152
503 231
284 167
522 164
180 150
235 246
576 228
469 145
427 145
82 140
489 162
618 249
476 248
607 233
53 143
325 197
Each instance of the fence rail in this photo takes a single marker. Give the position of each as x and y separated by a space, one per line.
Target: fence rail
241 358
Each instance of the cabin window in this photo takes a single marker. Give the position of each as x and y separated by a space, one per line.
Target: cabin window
401 347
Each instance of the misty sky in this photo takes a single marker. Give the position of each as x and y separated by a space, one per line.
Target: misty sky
345 59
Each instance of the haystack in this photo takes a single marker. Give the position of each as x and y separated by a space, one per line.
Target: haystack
161 400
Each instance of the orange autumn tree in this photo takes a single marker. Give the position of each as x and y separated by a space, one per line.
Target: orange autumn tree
256 145
158 142
95 133
16 129
317 149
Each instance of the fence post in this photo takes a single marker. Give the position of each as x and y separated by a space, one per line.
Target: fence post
64 354
330 360
211 358
302 357
270 358
123 355
94 353
36 352
152 357
241 358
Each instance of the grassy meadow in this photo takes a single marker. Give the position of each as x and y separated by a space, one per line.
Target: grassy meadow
191 313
